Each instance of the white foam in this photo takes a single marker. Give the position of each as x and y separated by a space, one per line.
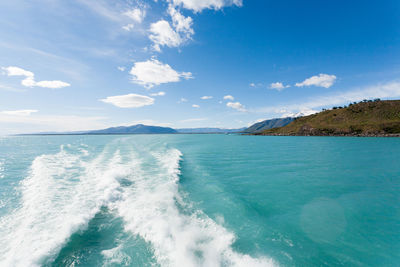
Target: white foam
61 194
150 210
116 256
1 169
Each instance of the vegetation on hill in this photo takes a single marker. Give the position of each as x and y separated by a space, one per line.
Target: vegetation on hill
366 118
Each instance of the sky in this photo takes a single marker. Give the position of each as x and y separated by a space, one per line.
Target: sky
91 64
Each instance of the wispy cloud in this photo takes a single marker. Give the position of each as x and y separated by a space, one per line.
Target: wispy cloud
278 86
21 112
384 90
158 94
199 5
206 97
29 80
229 97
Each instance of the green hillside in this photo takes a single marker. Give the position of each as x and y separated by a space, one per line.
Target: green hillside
366 118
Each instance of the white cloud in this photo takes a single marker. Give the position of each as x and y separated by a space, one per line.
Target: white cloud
321 80
128 27
129 101
206 97
229 97
236 105
278 86
52 84
29 80
136 14
181 23
199 5
121 68
21 112
162 34
152 72
195 106
16 71
158 94
182 100
252 84
386 90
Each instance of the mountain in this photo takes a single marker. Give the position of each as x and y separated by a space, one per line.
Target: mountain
135 129
209 130
268 124
366 118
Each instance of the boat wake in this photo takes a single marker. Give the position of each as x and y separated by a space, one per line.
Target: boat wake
64 191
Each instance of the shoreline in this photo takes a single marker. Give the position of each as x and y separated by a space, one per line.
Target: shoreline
330 135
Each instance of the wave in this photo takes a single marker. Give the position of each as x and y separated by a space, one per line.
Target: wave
154 209
60 195
64 191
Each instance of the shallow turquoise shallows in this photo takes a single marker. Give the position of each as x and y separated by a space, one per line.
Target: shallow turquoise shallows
199 200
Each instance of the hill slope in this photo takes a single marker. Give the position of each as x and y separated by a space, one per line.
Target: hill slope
268 124
367 118
135 129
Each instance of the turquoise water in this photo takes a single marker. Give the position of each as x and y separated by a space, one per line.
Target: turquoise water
199 200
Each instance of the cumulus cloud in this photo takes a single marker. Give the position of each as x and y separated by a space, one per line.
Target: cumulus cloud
278 86
136 14
236 105
195 106
199 5
321 80
181 23
158 94
229 97
129 101
206 97
29 80
21 112
152 72
162 34
16 71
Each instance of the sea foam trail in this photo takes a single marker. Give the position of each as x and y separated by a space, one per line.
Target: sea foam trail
64 191
60 195
154 210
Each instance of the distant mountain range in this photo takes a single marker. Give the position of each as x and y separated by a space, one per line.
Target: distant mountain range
147 129
209 130
268 124
366 118
135 129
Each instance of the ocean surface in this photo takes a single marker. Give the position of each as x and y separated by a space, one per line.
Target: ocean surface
199 200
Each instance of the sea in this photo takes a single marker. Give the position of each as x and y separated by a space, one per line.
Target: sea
199 200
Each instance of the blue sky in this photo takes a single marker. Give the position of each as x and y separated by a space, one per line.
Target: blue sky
81 64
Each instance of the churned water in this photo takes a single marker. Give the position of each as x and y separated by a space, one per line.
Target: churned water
199 200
